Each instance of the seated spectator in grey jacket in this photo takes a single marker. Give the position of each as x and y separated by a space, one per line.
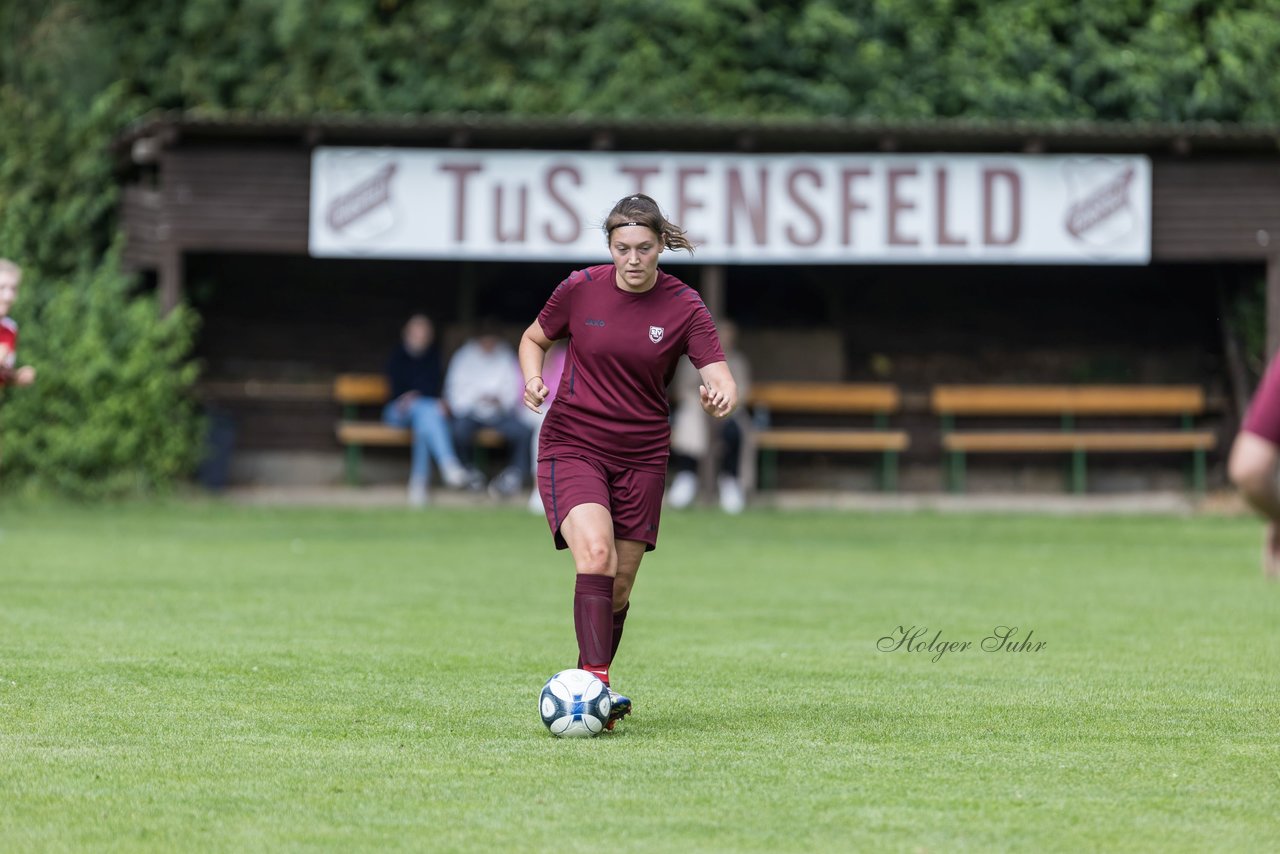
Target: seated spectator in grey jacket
483 388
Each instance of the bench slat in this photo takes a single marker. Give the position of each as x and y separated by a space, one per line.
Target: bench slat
834 398
832 440
1078 400
372 433
1011 442
272 390
361 389
377 433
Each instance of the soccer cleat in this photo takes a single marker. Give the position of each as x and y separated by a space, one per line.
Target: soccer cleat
455 476
619 708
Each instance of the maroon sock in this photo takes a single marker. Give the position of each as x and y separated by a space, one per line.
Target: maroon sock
593 621
619 619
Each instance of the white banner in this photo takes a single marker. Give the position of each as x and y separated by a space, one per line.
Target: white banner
737 208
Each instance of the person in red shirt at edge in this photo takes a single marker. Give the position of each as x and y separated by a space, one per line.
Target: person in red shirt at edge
602 458
10 373
1253 465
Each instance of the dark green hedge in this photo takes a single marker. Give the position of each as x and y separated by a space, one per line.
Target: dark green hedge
111 411
1161 60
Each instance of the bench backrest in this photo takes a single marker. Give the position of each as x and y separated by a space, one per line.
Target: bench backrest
361 389
826 397
1073 400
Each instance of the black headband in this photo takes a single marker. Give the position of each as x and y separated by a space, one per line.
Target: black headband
621 224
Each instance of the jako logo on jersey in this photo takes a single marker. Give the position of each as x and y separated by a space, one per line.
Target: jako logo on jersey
655 334
591 322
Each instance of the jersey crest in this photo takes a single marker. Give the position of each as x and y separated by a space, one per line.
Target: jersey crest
655 333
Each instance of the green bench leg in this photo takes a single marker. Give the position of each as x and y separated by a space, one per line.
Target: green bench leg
955 470
353 465
889 471
768 469
1198 472
1078 483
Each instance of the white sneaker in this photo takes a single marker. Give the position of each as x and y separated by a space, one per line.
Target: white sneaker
454 475
417 492
684 488
535 502
731 498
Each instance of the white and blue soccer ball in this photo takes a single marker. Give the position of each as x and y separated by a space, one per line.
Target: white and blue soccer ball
574 704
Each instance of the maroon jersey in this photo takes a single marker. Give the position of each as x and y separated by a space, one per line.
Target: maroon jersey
1263 417
9 347
623 349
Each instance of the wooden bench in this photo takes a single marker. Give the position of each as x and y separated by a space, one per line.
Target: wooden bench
355 391
1067 403
879 400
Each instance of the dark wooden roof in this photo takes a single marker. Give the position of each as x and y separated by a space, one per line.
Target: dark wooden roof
242 183
475 130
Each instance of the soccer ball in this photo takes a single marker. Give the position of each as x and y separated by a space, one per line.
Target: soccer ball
574 704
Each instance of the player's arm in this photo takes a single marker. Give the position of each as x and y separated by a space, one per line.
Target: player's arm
718 393
533 353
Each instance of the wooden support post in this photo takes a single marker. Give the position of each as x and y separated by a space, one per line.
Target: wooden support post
171 272
712 291
1273 305
468 296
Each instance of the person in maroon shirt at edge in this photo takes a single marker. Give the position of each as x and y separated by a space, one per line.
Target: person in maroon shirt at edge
602 458
1253 463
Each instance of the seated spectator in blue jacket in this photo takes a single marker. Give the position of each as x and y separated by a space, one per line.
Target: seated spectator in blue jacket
414 373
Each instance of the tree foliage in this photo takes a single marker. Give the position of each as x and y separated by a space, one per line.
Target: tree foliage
73 73
111 411
1156 60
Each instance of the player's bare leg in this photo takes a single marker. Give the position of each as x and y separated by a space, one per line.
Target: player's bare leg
1271 552
1253 468
588 531
630 553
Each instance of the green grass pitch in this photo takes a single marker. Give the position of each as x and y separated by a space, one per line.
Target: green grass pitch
217 678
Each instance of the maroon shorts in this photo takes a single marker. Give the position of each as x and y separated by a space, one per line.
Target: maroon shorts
1263 417
632 497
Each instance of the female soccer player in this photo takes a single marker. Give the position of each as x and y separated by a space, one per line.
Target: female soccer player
602 459
1255 462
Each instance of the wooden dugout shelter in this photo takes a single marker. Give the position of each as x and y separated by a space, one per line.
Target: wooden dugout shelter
242 185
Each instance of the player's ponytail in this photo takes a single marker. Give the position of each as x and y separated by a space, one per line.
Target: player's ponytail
642 210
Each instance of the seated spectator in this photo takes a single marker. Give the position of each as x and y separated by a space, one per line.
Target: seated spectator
413 372
483 388
692 431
